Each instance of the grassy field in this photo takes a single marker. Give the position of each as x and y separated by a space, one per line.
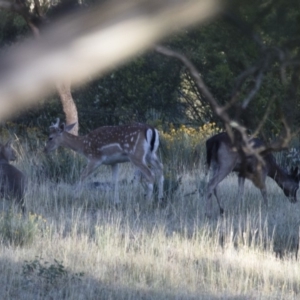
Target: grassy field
79 246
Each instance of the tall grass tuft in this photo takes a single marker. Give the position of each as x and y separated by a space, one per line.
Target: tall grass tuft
17 231
184 148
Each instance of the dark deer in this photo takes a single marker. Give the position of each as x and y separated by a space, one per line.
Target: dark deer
224 158
12 180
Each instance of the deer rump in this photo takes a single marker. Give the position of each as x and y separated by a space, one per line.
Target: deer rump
247 168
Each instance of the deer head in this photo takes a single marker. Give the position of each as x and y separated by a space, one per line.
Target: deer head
57 131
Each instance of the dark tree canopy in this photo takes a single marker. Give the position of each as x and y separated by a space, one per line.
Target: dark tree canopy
248 56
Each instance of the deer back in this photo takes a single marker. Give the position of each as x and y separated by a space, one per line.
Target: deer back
124 135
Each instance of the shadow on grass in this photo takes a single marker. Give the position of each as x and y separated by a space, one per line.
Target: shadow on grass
33 284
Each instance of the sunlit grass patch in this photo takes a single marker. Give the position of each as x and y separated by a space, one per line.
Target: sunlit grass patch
19 230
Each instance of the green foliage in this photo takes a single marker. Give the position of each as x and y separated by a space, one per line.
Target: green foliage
222 50
12 28
62 165
172 184
19 231
45 277
184 148
143 90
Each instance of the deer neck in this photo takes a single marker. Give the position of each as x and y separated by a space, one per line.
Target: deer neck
73 142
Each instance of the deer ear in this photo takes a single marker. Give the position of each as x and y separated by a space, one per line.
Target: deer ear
61 127
69 127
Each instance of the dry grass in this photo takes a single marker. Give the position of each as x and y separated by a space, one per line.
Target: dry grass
137 251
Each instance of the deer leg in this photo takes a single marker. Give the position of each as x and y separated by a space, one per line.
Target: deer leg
115 176
212 186
241 184
219 201
90 168
240 195
148 175
265 196
158 170
137 178
161 187
263 188
219 173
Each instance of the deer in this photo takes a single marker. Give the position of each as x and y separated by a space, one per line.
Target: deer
224 158
12 180
111 145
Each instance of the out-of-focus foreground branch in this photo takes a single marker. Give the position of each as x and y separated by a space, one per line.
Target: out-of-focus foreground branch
89 43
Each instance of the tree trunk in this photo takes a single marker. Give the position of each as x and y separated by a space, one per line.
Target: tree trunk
34 18
69 107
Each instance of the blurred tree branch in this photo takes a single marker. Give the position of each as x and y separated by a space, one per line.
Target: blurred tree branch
35 18
88 43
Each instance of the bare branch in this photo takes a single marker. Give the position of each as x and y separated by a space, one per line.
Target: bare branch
234 99
253 92
191 104
243 76
240 140
197 78
238 134
217 109
264 119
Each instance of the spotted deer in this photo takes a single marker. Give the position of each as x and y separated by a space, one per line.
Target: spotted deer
12 180
110 145
224 159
